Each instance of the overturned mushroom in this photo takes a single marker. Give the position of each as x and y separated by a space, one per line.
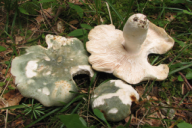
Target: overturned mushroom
114 99
124 53
47 74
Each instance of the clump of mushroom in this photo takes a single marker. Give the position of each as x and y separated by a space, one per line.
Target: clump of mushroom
124 53
47 74
114 99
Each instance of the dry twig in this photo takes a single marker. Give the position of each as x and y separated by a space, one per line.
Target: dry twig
186 81
48 20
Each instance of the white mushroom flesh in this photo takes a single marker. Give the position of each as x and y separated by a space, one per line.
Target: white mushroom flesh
127 58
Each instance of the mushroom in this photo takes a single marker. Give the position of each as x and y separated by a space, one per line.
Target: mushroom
125 53
46 74
114 99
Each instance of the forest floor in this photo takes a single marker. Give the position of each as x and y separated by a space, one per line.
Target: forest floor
162 104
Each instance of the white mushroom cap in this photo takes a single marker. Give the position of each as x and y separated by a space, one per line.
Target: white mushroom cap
47 74
127 57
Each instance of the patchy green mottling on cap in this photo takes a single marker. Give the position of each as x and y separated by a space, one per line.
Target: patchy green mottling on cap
47 74
114 99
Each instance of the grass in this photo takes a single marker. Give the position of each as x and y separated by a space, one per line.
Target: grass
172 15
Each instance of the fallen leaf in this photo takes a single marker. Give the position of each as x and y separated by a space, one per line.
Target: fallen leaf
170 16
74 22
12 86
48 12
172 125
140 90
136 121
11 98
17 123
154 98
83 91
8 73
34 29
3 104
39 19
127 119
169 112
19 39
39 42
78 2
1 88
153 122
154 16
3 71
60 26
9 41
101 20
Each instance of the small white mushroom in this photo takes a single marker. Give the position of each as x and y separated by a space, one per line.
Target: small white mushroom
114 98
47 74
124 53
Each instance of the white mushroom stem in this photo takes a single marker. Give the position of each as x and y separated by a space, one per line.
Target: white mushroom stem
135 32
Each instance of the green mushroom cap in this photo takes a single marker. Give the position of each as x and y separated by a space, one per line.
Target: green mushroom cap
114 99
47 74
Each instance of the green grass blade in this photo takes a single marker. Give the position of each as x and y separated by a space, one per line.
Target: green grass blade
75 109
178 55
98 5
9 65
120 17
150 87
39 112
130 8
28 111
93 78
53 111
9 36
100 115
14 48
7 22
128 14
75 99
98 8
20 27
34 114
156 58
162 12
13 22
179 69
128 123
15 107
183 34
183 98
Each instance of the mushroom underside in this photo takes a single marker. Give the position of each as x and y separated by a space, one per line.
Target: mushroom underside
108 53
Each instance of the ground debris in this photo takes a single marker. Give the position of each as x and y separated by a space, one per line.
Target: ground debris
13 97
18 122
78 2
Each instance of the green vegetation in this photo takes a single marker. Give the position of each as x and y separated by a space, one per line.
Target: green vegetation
26 20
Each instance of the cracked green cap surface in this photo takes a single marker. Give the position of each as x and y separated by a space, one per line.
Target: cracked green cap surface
114 99
46 74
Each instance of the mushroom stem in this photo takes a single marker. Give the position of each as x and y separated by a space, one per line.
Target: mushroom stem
135 32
